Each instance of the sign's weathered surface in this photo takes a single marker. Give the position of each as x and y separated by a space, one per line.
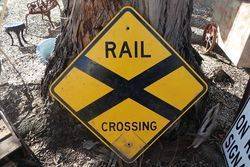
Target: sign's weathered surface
128 86
236 146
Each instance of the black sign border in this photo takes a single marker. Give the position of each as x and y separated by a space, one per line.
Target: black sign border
165 44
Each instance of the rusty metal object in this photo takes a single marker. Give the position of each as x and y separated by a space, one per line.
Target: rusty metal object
42 7
210 37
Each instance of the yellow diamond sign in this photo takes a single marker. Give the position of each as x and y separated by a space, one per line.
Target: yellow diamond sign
128 45
128 86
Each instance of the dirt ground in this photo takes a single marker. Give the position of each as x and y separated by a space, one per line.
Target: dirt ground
57 139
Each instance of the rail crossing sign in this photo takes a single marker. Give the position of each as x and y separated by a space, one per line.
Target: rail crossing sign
128 86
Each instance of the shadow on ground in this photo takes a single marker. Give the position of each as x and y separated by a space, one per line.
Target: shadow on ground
56 133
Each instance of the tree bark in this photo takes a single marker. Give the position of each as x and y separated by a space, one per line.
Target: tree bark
83 19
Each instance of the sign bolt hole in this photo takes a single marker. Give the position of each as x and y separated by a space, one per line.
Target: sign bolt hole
127 28
129 144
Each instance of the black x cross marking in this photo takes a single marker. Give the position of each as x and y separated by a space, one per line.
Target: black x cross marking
123 89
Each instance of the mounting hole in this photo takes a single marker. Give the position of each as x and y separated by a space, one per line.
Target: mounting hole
129 144
127 28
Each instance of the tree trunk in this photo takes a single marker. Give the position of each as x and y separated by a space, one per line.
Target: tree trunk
83 19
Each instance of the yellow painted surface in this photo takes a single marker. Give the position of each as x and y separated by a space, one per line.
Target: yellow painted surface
178 88
125 66
128 111
129 144
79 89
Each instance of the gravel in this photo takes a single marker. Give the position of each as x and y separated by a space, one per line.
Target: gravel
58 139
